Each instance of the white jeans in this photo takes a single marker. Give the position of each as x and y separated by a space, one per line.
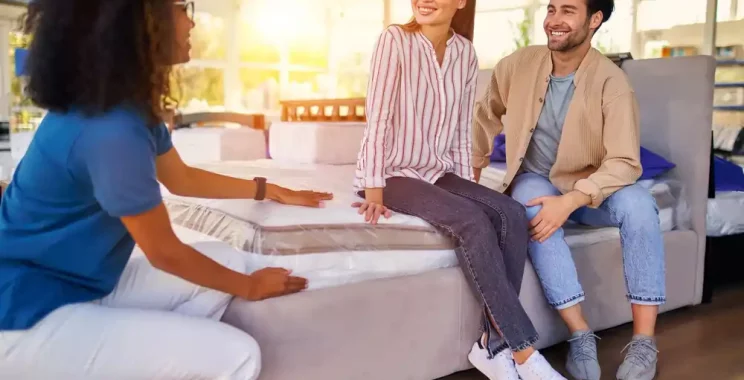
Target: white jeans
153 326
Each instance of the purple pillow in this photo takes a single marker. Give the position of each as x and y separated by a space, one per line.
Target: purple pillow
499 149
653 165
727 175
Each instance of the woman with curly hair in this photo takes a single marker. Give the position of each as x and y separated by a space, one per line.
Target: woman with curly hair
73 305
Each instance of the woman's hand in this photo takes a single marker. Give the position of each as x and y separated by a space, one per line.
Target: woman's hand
372 211
305 198
273 282
372 208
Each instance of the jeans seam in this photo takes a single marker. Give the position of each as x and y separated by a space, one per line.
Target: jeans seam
568 300
472 273
502 237
646 299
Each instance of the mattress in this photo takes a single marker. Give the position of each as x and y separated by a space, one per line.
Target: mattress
210 144
333 143
673 212
332 245
725 214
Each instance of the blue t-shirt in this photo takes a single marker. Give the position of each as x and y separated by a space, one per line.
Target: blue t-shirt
61 239
543 148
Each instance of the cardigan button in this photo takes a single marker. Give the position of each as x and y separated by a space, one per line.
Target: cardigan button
540 100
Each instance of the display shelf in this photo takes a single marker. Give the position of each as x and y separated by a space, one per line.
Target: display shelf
731 62
729 108
729 85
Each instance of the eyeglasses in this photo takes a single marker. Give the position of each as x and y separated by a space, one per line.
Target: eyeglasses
188 7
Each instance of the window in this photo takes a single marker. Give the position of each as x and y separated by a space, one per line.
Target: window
664 14
500 33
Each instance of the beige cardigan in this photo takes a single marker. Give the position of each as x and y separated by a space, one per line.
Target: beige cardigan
599 151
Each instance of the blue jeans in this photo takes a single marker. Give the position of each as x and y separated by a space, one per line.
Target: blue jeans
491 233
633 210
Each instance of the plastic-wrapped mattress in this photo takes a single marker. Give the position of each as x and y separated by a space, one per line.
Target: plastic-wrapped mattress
331 245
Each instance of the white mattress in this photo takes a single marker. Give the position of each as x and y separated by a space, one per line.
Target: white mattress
725 214
672 214
328 269
338 267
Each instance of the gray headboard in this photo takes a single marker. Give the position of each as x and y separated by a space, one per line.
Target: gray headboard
675 96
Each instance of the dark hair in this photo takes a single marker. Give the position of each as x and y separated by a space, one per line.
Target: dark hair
94 55
462 23
604 6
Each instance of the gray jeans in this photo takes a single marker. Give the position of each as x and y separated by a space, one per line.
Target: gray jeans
491 231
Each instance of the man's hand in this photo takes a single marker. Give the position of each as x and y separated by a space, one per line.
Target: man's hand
296 197
554 213
273 282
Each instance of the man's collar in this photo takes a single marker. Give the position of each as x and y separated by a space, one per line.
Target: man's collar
591 56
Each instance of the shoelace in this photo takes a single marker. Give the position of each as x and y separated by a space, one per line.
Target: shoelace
639 352
586 347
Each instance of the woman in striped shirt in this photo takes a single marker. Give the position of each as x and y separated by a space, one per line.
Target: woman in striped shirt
415 159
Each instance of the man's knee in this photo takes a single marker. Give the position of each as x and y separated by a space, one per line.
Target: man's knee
634 204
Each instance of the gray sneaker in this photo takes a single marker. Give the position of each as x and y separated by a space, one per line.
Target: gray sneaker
640 361
582 362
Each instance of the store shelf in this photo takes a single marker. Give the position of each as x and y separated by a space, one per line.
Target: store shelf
730 85
729 108
731 62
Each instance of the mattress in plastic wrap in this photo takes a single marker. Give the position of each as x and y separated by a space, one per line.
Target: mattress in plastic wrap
725 214
331 245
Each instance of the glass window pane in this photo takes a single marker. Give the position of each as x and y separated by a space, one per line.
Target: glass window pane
208 39
664 14
260 89
352 85
307 85
198 87
500 4
259 32
498 34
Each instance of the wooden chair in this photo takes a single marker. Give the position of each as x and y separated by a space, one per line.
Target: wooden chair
327 110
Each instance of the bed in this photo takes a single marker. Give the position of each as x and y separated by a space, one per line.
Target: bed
391 303
725 226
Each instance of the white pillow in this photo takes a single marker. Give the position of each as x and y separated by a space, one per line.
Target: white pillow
330 143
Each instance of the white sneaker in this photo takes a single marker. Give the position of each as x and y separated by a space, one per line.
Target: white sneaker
538 368
500 367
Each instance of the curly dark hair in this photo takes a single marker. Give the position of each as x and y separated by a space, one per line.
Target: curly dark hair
93 55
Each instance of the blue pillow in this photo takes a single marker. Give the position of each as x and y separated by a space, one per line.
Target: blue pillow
728 176
499 149
653 165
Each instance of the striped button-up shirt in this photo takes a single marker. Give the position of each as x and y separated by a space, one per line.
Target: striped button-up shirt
419 114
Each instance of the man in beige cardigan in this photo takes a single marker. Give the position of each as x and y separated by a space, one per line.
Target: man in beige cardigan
573 152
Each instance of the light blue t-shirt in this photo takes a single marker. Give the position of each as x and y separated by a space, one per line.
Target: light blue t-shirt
61 239
543 148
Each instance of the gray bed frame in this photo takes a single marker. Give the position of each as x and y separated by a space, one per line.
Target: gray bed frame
422 327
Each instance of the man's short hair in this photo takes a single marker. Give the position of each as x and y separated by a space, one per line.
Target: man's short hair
606 6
